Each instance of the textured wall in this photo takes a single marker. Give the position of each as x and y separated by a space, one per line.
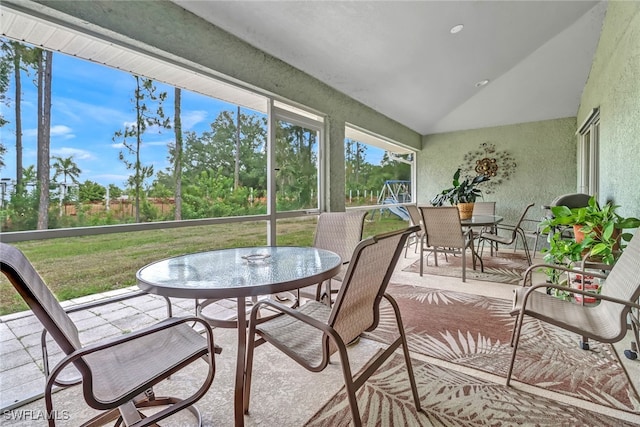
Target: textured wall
614 86
544 152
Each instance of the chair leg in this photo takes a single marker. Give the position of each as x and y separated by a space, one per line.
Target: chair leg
251 343
524 245
421 257
405 350
464 264
516 334
535 245
349 385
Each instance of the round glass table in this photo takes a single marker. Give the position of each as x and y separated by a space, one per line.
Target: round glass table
239 273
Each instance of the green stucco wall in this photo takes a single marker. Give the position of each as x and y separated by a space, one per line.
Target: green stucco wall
544 153
614 87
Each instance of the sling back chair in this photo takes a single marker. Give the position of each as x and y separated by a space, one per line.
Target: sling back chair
118 374
515 232
483 209
313 332
444 233
605 322
416 220
338 232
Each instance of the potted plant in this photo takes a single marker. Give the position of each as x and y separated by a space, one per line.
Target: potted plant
463 193
599 235
599 230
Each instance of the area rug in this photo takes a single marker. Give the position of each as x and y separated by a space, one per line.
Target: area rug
450 398
503 267
475 331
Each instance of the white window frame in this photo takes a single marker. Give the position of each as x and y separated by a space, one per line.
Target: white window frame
589 154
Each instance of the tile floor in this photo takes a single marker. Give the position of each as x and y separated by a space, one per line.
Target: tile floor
21 366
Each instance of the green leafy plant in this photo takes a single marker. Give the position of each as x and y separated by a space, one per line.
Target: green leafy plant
465 191
603 228
563 252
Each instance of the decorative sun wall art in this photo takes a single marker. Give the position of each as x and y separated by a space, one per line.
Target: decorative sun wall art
497 165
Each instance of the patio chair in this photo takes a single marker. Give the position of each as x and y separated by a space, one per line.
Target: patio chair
117 374
444 233
314 331
605 322
515 232
338 232
416 220
483 209
533 230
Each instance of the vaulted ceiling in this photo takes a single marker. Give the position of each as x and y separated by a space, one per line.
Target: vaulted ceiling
401 58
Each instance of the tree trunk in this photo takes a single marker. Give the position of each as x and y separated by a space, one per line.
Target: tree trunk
138 165
18 118
44 131
236 173
177 166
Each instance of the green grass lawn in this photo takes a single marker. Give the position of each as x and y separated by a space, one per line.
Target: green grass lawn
78 266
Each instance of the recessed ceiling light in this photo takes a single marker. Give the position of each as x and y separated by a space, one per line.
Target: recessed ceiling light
456 29
482 83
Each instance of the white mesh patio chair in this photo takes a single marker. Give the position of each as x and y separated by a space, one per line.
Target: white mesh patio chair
416 220
605 322
483 209
444 233
313 332
513 233
118 374
338 232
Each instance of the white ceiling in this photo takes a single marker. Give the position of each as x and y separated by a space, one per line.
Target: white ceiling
399 58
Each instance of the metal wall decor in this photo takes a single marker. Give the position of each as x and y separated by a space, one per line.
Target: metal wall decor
497 165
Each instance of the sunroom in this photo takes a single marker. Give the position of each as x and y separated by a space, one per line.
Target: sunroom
549 89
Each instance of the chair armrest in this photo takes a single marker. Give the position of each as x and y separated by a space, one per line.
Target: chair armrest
506 227
87 306
580 292
291 312
107 344
526 277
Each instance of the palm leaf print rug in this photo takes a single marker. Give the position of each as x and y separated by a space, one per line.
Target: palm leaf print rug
474 331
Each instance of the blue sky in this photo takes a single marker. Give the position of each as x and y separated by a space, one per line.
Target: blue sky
90 102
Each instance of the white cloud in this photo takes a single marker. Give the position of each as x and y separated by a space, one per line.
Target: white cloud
61 130
76 153
192 118
82 112
57 131
158 143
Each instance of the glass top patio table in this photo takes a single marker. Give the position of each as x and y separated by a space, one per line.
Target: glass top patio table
239 273
481 221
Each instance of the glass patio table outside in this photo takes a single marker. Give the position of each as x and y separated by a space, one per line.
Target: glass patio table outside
239 273
488 221
481 221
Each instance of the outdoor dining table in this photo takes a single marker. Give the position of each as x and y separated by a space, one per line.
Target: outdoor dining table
481 221
488 221
239 273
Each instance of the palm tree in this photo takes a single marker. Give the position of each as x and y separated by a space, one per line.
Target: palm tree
68 169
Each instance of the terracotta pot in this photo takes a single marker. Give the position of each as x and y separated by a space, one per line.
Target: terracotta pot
466 210
577 232
579 235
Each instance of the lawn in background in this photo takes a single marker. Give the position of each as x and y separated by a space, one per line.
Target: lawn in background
78 266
